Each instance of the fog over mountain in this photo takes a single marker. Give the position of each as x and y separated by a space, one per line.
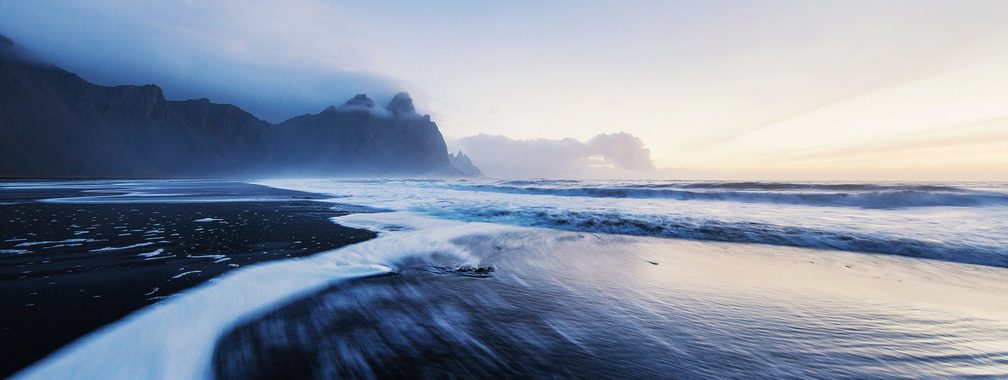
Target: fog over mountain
53 123
275 60
607 155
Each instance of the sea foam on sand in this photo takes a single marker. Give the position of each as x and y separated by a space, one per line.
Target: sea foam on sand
176 338
715 283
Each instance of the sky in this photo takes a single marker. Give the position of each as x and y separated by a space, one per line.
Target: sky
804 90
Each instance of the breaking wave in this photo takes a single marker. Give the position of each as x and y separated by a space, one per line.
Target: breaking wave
952 222
843 195
741 232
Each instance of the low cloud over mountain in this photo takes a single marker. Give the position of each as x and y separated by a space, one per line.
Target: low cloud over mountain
606 155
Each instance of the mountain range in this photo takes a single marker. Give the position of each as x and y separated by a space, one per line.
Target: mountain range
55 124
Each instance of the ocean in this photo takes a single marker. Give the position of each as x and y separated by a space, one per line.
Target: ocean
962 222
584 279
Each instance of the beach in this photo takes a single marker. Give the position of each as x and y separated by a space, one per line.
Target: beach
446 292
72 263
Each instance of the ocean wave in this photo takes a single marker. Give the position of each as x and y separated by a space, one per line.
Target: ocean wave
813 186
749 185
891 221
540 182
739 232
880 197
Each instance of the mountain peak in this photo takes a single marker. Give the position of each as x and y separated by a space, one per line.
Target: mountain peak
197 138
360 100
401 104
464 164
8 48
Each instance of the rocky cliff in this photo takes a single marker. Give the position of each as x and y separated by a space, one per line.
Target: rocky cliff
54 124
462 162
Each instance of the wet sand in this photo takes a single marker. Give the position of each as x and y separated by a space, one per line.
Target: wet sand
561 304
602 306
68 268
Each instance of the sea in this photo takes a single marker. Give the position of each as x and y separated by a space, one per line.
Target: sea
484 278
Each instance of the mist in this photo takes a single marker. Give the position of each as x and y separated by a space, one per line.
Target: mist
615 155
276 60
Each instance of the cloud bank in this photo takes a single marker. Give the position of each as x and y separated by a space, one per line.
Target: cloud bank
615 155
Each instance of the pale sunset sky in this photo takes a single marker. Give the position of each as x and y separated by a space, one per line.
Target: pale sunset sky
807 90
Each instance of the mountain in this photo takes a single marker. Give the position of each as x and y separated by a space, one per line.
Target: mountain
54 124
462 162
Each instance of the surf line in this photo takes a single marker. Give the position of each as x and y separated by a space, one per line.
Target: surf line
162 341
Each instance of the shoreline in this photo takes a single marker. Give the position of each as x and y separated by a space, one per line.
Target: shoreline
402 303
558 302
69 267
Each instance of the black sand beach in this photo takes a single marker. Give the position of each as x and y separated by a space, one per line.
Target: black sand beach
420 300
69 268
572 305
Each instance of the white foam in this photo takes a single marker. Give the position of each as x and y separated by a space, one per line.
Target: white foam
137 245
63 245
152 253
164 341
206 220
183 274
215 257
963 234
33 243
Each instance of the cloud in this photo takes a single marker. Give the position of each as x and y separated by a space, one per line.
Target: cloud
623 149
603 156
275 59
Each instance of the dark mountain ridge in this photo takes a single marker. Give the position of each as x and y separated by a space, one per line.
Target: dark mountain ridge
55 124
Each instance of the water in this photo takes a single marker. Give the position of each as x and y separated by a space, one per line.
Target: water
614 279
965 222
